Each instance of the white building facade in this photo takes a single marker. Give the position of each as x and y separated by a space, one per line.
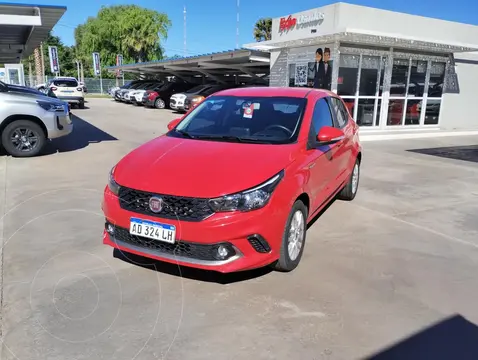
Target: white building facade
393 70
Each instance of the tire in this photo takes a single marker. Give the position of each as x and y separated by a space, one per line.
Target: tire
81 105
25 127
350 189
289 255
159 103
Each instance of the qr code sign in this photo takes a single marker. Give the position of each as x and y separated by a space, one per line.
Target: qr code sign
301 75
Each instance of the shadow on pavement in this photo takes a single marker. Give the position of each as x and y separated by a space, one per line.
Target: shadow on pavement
82 135
190 273
450 339
465 153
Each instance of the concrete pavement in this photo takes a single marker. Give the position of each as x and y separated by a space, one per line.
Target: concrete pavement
401 256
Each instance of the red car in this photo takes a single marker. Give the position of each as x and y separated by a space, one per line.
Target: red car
233 184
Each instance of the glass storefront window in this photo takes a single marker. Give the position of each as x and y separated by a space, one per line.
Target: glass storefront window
418 72
395 112
432 112
348 72
412 116
350 105
437 78
369 75
365 112
398 84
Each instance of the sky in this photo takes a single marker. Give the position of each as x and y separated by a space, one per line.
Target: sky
211 24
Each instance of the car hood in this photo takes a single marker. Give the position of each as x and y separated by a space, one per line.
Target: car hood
30 96
200 168
180 96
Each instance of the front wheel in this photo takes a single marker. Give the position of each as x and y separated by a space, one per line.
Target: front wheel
23 138
159 103
293 239
350 190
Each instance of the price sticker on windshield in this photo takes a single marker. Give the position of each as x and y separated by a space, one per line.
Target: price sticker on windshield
249 111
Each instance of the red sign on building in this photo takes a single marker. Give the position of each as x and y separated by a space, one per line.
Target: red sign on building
287 23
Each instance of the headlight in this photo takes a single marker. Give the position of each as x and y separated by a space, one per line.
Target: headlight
247 200
48 106
112 184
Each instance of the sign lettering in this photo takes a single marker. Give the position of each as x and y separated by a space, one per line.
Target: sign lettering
290 22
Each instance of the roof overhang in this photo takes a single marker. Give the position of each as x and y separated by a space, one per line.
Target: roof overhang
23 27
356 36
242 62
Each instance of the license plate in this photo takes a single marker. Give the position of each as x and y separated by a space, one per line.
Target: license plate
153 230
67 91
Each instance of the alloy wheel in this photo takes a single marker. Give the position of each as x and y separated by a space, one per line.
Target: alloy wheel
296 235
355 178
24 139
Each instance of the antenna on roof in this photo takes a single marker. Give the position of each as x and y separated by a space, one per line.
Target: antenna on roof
185 46
237 25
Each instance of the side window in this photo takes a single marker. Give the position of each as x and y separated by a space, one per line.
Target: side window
340 111
321 116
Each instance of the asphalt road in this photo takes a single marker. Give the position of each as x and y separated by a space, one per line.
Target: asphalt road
398 259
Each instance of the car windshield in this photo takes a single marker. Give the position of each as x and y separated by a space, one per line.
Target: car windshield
196 89
268 120
65 83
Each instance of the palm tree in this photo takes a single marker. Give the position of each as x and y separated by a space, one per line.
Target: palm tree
263 29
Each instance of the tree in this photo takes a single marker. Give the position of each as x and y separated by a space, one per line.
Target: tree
263 29
130 30
66 58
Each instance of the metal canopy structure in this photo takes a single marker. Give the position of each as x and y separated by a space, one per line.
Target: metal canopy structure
361 37
23 27
220 66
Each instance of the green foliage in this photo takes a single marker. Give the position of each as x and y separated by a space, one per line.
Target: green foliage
66 57
263 29
130 30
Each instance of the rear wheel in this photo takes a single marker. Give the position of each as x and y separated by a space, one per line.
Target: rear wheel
159 103
23 138
350 190
81 105
293 239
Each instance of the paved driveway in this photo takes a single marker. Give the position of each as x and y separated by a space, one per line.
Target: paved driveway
400 258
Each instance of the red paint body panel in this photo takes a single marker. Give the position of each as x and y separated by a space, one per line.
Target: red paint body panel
208 169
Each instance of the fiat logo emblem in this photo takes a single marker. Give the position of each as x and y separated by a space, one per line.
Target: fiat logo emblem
156 204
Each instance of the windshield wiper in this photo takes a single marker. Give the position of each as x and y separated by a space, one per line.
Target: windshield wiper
185 134
230 138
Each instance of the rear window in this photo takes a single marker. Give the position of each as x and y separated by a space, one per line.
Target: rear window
65 83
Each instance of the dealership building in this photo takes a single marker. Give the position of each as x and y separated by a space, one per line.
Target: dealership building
395 71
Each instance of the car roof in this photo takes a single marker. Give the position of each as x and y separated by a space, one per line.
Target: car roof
271 92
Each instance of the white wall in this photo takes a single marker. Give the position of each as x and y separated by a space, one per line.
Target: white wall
342 17
458 111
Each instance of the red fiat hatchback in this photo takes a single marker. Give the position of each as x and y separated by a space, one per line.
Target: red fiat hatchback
232 185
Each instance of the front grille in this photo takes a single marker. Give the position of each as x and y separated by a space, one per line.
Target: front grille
174 207
182 248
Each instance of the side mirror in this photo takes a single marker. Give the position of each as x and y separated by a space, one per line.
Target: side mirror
173 123
329 135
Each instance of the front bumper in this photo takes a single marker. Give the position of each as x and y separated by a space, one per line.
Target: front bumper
244 232
72 99
62 126
176 105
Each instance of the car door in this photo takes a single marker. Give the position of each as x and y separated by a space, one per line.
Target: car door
345 147
321 158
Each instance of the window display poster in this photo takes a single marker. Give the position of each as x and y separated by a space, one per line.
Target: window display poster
314 69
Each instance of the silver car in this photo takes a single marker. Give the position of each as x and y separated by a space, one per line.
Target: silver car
29 119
